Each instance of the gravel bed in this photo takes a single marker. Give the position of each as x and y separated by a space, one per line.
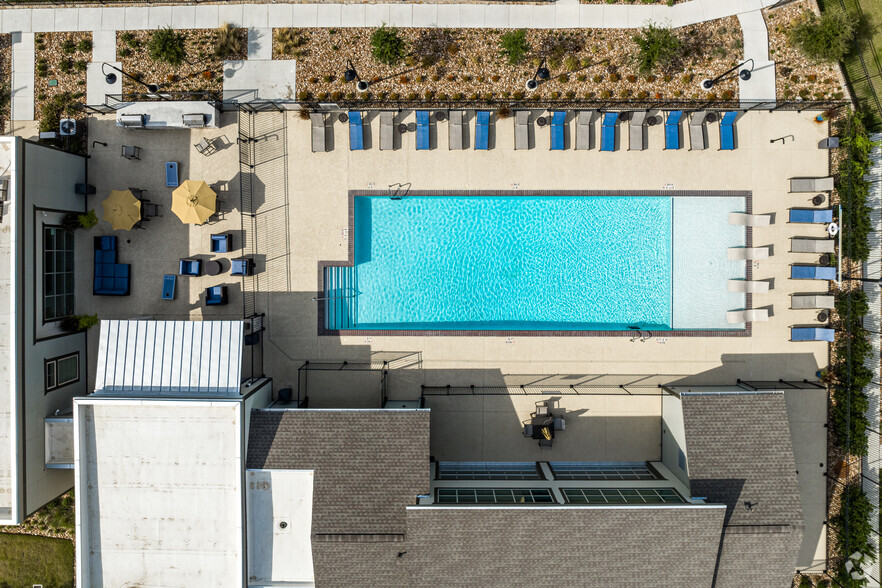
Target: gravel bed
796 75
202 70
66 66
5 77
595 64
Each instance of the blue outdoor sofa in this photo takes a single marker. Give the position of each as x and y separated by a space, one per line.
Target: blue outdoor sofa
111 278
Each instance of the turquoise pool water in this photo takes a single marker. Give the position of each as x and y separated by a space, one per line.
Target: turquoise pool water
519 263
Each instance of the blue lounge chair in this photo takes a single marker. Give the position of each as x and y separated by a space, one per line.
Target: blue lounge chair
812 272
557 130
482 130
190 267
672 129
422 130
608 131
356 131
215 295
727 131
242 267
811 334
221 243
800 215
168 286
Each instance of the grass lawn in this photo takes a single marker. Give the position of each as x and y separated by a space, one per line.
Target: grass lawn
26 560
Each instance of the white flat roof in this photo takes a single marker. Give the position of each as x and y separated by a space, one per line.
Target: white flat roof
159 492
170 358
280 526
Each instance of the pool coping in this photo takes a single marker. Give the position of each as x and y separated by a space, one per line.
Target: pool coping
320 307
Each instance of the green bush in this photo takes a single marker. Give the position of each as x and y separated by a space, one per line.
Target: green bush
513 46
656 47
229 42
387 46
852 522
84 45
68 46
853 188
167 46
825 38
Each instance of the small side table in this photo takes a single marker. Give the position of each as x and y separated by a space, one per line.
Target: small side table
818 200
440 115
213 267
541 121
411 127
711 117
343 117
652 121
823 317
402 128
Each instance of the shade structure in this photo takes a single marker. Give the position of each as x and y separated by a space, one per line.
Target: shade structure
194 202
122 210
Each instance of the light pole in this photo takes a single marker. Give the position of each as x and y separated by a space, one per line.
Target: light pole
542 73
110 78
744 74
350 75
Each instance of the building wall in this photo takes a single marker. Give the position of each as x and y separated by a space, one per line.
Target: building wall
674 438
46 191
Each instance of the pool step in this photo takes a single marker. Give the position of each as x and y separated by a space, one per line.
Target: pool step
341 301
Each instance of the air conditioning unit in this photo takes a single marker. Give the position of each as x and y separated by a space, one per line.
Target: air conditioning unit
194 120
67 127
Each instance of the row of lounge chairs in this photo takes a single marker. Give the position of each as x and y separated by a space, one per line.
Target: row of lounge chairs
584 128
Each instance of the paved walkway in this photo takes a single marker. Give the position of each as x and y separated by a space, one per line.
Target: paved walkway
261 18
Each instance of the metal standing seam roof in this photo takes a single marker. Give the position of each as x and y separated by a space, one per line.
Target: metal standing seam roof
170 357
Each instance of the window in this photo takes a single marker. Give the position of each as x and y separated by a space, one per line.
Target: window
484 470
601 471
620 495
58 273
494 495
61 371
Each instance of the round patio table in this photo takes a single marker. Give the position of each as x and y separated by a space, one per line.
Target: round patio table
402 128
440 116
213 267
823 316
541 121
411 127
652 121
343 117
711 117
818 200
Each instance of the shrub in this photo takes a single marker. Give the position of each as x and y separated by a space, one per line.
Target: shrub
428 95
303 95
387 46
571 63
503 112
68 46
436 78
555 95
42 68
571 94
127 37
518 95
642 95
597 79
584 62
563 78
84 45
229 42
852 522
624 94
207 74
656 47
167 46
632 78
824 38
687 79
124 52
726 94
403 80
614 77
289 40
581 77
328 78
513 46
81 65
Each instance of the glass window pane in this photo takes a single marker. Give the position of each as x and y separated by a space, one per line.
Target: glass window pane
49 307
50 374
68 369
49 239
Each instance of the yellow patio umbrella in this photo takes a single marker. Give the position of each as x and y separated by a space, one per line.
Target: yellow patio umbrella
122 210
194 202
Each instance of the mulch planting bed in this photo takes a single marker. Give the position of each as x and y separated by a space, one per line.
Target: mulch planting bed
584 64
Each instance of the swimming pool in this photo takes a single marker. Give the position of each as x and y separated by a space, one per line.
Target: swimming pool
537 263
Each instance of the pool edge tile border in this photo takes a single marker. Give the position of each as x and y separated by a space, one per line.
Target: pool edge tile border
321 265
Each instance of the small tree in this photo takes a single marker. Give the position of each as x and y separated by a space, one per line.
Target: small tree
656 47
825 38
387 46
167 45
513 46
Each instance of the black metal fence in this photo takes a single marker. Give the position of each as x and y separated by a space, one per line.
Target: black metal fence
863 69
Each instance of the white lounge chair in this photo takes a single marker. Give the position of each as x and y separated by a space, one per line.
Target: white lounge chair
811 184
522 129
585 129
802 245
387 130
750 220
806 301
748 286
319 133
747 316
736 253
697 132
455 138
637 131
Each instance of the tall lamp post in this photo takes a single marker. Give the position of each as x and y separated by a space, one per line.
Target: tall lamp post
351 75
542 73
744 74
110 78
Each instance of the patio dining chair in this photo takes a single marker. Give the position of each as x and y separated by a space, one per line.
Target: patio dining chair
205 147
150 210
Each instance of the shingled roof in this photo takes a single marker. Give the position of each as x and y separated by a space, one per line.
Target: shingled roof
561 546
740 454
369 466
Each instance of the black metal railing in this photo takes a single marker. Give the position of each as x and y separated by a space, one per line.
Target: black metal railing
863 68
